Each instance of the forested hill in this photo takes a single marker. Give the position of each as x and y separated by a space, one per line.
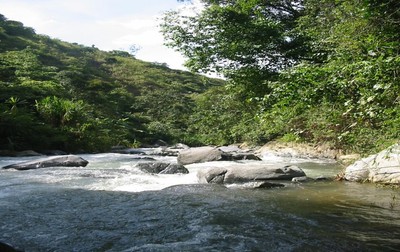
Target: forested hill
59 95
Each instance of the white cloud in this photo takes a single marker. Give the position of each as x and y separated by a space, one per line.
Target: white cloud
133 24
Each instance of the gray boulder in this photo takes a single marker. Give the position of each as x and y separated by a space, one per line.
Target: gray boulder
209 153
241 173
162 168
68 160
383 167
199 155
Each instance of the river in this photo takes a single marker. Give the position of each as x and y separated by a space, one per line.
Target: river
112 206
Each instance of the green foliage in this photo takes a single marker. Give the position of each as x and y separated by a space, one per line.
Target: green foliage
221 118
357 82
59 112
317 71
58 95
237 37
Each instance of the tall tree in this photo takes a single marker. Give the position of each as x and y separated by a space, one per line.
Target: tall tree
246 41
321 70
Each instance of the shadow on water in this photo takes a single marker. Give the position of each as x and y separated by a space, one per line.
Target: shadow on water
325 216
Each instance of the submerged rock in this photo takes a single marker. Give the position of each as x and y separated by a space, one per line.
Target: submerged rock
68 160
245 173
383 167
268 185
162 168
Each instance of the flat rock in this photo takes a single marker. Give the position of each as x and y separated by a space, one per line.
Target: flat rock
245 173
199 155
209 153
67 160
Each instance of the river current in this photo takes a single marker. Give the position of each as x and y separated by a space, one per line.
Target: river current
110 205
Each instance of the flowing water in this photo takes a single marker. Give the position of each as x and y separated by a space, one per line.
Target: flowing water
112 206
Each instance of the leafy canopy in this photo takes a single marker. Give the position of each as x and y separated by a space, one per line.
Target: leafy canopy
322 71
237 36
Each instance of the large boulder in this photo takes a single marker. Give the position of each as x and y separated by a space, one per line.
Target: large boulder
199 155
241 173
162 168
68 160
208 153
383 167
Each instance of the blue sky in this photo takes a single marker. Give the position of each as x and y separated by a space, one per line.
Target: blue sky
107 24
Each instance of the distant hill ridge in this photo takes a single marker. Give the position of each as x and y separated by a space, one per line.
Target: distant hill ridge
60 95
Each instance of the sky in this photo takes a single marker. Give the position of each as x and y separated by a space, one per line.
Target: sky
106 24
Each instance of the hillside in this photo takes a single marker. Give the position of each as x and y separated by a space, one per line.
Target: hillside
59 95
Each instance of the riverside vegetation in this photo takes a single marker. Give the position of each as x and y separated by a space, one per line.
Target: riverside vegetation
320 72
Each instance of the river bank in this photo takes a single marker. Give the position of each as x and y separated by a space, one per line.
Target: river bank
277 148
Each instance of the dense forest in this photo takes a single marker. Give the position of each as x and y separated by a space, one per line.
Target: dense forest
316 71
320 72
66 96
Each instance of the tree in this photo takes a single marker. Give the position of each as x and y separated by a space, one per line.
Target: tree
246 41
352 73
320 70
